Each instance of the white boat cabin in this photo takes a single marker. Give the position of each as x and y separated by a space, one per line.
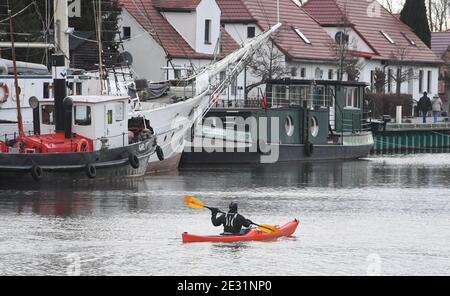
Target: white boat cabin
103 119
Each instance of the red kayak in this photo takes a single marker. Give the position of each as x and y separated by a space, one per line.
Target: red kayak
253 235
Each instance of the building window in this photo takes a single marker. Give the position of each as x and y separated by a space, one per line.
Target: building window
251 32
207 31
126 33
420 81
303 72
302 36
177 73
294 72
391 41
389 82
330 74
429 82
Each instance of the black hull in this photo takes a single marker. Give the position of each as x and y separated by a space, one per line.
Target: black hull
111 163
286 153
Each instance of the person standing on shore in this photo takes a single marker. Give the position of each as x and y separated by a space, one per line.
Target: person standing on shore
437 107
424 106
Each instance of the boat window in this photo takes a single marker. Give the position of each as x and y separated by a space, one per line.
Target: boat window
298 94
319 99
120 111
48 114
82 115
351 97
109 116
279 95
289 126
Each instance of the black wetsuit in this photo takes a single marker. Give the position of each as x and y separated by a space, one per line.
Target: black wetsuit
232 222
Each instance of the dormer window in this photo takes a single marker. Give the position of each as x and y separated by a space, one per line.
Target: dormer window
388 38
408 39
251 32
207 31
302 36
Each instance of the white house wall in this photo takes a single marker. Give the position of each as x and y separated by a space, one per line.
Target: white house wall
207 9
148 55
239 31
185 23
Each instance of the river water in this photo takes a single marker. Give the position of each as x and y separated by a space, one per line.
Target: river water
379 216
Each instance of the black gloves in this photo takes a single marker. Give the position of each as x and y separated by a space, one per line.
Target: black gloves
214 210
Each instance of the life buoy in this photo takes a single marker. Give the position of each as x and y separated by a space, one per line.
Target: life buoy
82 146
309 149
91 171
37 173
159 153
134 161
5 89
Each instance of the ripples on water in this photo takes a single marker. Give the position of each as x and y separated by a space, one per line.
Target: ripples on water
395 209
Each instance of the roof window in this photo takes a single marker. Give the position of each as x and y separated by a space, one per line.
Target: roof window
302 36
408 39
387 37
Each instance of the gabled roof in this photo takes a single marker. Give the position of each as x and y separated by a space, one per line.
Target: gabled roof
264 12
176 5
147 15
440 43
234 10
368 19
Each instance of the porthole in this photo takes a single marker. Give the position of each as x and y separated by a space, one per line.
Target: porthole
313 126
289 126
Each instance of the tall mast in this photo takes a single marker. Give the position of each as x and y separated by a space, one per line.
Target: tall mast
16 80
100 46
61 28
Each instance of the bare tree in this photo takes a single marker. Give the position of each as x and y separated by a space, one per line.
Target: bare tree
399 61
268 63
440 13
345 62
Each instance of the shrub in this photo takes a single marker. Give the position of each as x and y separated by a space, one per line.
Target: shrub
386 104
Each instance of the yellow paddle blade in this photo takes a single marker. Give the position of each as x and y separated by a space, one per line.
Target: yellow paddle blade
193 202
267 228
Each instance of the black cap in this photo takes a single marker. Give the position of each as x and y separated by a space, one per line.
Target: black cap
233 207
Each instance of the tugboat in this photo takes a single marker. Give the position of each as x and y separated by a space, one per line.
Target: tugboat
293 120
78 137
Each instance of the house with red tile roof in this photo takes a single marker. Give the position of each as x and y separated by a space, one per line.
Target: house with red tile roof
440 44
381 41
169 38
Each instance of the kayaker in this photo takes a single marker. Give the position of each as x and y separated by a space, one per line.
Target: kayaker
232 222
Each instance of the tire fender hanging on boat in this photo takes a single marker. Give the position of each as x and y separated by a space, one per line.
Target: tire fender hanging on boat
37 173
5 95
91 171
134 161
309 149
159 153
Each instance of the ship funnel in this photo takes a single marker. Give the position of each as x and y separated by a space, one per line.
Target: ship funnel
59 89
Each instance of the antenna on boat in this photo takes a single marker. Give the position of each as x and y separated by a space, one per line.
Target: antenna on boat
16 80
99 39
